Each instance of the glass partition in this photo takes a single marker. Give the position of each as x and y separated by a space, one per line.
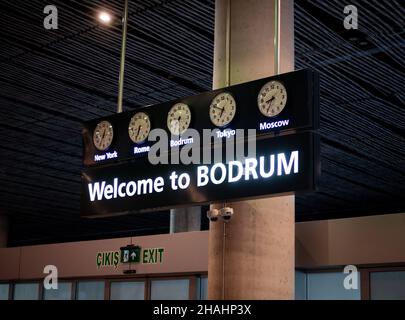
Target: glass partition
330 286
90 290
387 285
4 291
64 292
300 285
176 289
203 288
133 290
26 291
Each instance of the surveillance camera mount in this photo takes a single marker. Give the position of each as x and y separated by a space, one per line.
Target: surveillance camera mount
213 214
226 213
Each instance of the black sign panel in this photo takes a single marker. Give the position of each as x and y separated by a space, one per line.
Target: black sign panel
281 164
300 112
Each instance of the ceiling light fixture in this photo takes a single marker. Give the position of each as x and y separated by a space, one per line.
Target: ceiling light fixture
104 17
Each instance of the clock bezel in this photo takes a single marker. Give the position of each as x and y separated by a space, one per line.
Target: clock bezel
212 106
150 127
168 114
112 135
259 97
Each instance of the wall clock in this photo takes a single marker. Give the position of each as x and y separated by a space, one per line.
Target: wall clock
139 127
272 98
222 109
179 118
103 135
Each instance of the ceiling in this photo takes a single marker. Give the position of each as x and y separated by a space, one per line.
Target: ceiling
53 80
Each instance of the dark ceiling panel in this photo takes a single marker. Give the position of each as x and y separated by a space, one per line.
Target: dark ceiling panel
51 81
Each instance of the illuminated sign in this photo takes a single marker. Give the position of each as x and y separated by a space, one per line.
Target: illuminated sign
281 164
129 254
250 169
130 176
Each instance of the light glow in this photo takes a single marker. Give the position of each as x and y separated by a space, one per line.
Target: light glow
104 17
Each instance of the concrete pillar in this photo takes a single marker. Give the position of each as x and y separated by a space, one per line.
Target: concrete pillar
252 255
185 219
3 231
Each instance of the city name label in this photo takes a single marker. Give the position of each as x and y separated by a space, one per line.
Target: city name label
282 164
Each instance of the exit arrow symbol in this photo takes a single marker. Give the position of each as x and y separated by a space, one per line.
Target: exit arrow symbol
133 255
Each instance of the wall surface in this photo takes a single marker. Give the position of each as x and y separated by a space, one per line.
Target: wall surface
183 252
365 240
3 230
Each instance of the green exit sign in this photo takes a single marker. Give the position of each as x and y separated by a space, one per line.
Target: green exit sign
131 254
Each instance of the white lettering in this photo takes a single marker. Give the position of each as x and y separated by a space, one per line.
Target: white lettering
202 176
131 188
141 150
112 155
108 192
145 186
236 178
99 157
173 178
272 125
106 156
225 134
96 190
184 181
282 163
222 168
158 185
270 173
120 193
180 142
250 168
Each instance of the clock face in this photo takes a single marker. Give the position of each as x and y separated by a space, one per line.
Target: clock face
179 118
272 98
139 127
103 135
222 109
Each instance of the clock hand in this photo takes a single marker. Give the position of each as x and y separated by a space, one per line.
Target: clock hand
138 130
269 102
219 108
271 99
222 111
103 135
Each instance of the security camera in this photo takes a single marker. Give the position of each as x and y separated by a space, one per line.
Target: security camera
213 214
226 213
